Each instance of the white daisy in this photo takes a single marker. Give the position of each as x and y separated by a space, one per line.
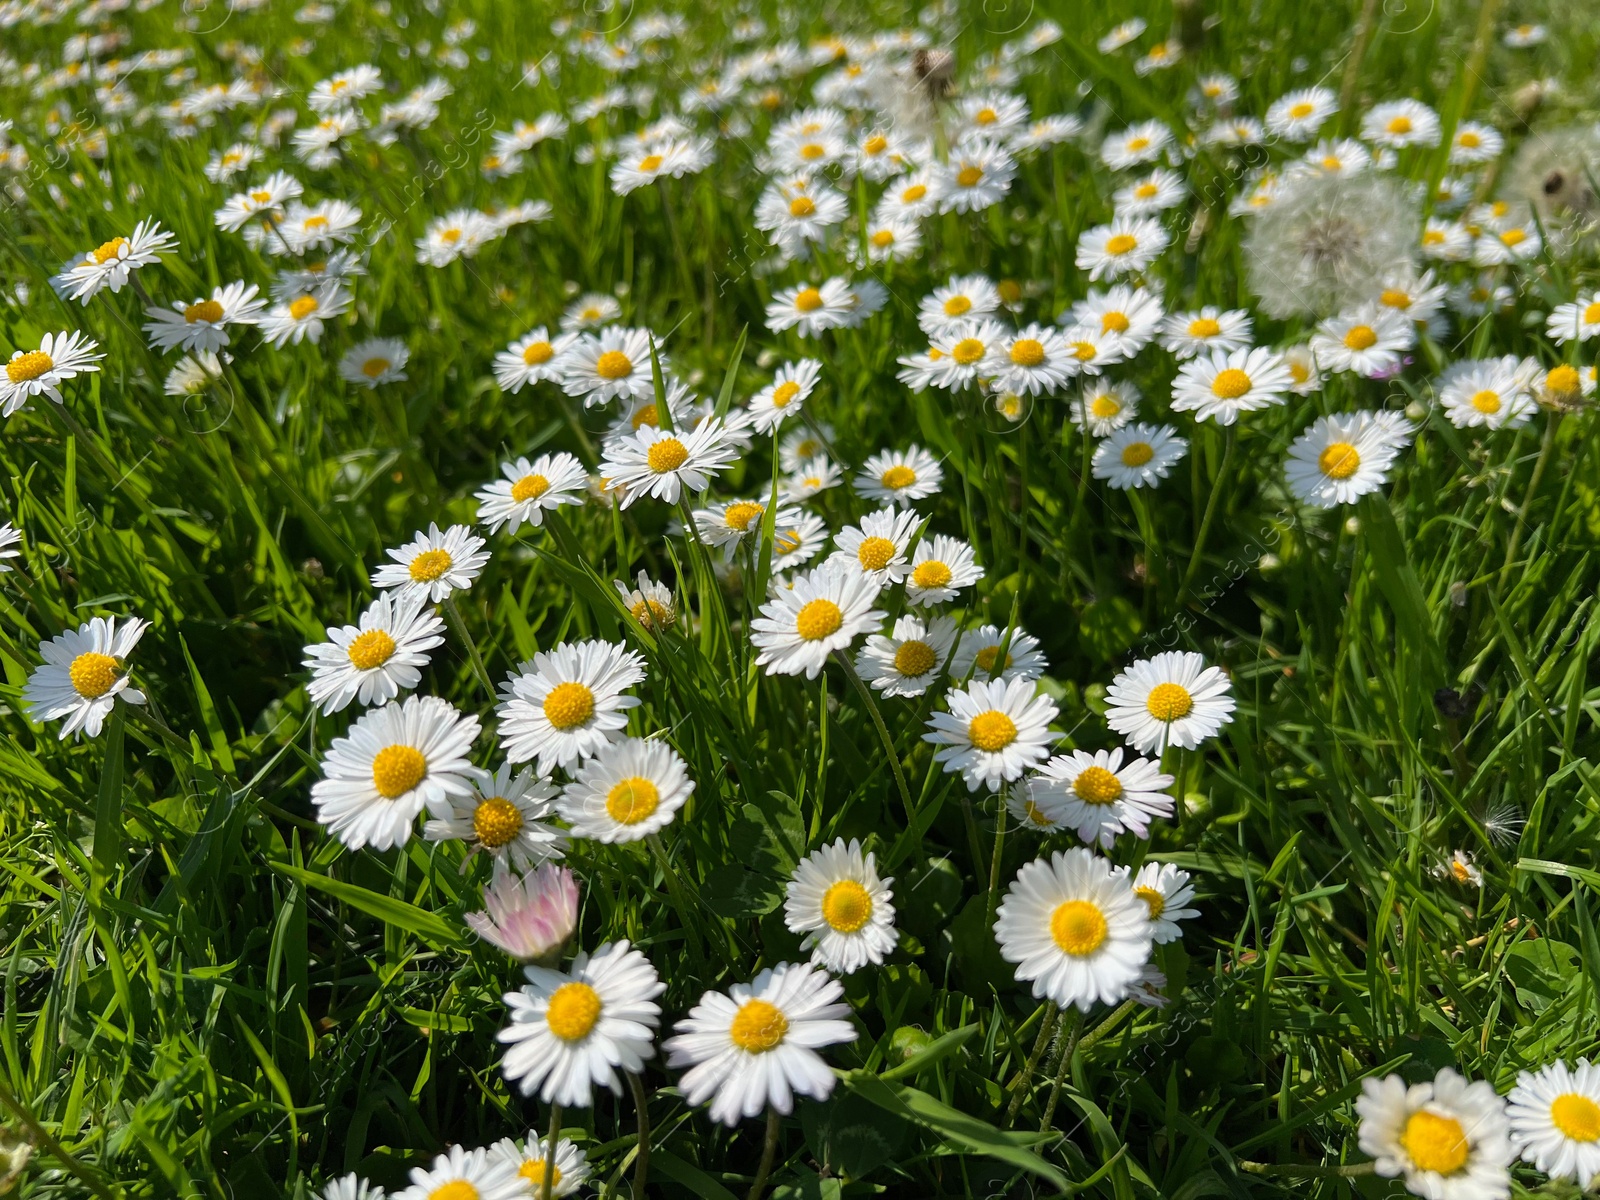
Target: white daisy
616 362
878 546
303 317
756 1046
569 1172
801 445
1489 393
809 309
978 175
1399 124
1104 406
993 731
394 762
319 226
435 563
566 703
899 477
1296 116
940 567
10 539
533 357
110 264
649 603
1576 321
1189 334
1339 459
1034 362
907 661
1074 928
653 462
374 660
824 611
980 650
203 325
627 791
83 676
1222 384
784 396
265 198
728 525
1173 699
375 362
1555 1120
1475 142
1124 247
593 310
1138 455
1448 1138
505 816
1098 796
1156 192
837 900
1165 890
458 1174
530 488
60 357
964 298
1144 142
1368 340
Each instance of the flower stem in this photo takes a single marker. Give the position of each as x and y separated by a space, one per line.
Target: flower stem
1308 1170
551 1141
478 669
883 733
1020 1087
769 1151
994 862
1069 1045
641 1161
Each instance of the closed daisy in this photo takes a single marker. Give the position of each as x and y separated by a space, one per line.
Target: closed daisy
460 1174
568 1173
110 264
528 489
993 732
1075 929
1339 459
1448 1138
879 547
1220 385
83 675
908 660
649 603
940 567
756 1045
394 762
615 362
1138 455
567 703
571 1030
203 325
531 916
434 564
506 817
784 396
1555 1120
374 660
899 477
837 900
824 611
990 652
60 357
1165 891
653 462
533 357
1099 796
1126 246
627 791
1173 699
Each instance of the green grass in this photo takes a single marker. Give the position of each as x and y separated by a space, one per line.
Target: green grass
205 995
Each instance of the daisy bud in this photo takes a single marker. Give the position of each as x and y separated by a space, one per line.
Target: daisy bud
529 917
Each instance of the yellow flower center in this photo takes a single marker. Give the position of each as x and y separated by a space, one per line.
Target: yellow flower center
1096 785
568 705
28 366
818 619
812 150
1399 125
969 176
883 239
957 305
1145 191
397 769
529 487
631 800
106 251
1301 111
1486 401
1563 380
1230 384
786 541
613 364
1339 460
808 299
1153 899
1139 143
738 516
1513 237
303 307
203 310
1576 1116
666 455
650 614
914 659
1469 140
316 221
533 1171
876 144
1078 927
430 565
1104 407
802 206
92 675
1395 298
1121 244
846 906
991 731
1035 814
986 116
573 1010
967 351
370 649
374 367
496 821
650 162
1169 701
261 197
538 353
1435 1143
1027 352
898 477
986 658
914 193
784 393
1432 237
875 553
1591 314
1136 454
456 1189
1361 337
758 1027
931 574
1204 327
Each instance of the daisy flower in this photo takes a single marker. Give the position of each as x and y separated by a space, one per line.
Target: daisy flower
877 548
726 526
614 363
1304 378
940 567
1165 890
265 198
1511 243
1098 796
10 539
810 309
1555 1120
815 475
956 356
463 1173
346 87
894 240
83 676
203 325
1341 458
992 115
756 1046
979 173
1475 142
784 396
1446 241
1121 35
1075 929
1578 321
1188 335
394 762
797 538
655 463
837 901
993 731
649 603
1222 384
1296 116
434 564
567 703
907 661
912 197
799 215
571 1030
110 264
1144 142
1399 124
1337 156
1104 406
1034 362
979 655
1368 340
528 489
1448 1138
374 660
375 362
1491 393
965 297
1521 37
627 791
529 916
320 226
1127 317
60 357
302 317
1138 455
899 477
1173 699
505 816
1125 246
533 357
1156 192
568 1173
824 611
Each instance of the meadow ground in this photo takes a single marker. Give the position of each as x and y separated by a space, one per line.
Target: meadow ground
813 601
